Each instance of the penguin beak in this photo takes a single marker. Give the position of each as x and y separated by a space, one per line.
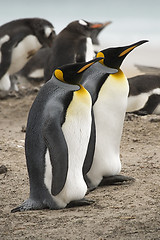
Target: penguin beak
88 64
100 25
129 48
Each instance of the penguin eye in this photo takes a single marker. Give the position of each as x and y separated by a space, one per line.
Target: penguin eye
59 74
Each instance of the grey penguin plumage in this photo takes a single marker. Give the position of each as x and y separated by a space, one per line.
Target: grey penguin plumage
72 44
57 136
144 94
19 41
109 97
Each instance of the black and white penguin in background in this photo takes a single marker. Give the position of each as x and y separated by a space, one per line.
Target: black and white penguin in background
72 44
57 137
109 96
144 94
33 71
19 41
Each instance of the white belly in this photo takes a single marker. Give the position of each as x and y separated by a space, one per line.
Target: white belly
38 73
23 52
5 83
109 112
76 131
90 54
157 110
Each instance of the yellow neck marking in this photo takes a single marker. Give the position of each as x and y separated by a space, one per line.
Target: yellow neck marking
83 94
119 76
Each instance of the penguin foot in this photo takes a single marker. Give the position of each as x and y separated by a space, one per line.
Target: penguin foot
79 203
31 204
116 180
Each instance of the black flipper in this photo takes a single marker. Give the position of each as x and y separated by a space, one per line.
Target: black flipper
58 151
91 148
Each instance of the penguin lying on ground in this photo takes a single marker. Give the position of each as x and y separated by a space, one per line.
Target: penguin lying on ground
33 71
57 136
72 44
144 94
148 70
109 96
19 41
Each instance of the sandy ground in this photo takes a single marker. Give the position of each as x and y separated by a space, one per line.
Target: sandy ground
129 211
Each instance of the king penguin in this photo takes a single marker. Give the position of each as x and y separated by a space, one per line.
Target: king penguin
109 97
57 137
19 41
72 44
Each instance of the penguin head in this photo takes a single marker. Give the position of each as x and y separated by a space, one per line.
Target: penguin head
83 27
72 73
113 57
97 27
43 30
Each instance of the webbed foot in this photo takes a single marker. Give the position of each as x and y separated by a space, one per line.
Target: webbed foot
79 203
31 204
116 180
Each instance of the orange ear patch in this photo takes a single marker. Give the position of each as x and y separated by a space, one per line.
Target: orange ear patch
100 54
59 74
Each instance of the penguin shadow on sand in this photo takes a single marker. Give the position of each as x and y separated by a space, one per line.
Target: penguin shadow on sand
144 94
57 137
19 41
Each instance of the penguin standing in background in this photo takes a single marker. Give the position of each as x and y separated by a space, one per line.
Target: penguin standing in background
144 94
57 137
72 44
109 96
33 71
19 41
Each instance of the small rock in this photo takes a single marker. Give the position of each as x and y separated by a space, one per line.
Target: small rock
3 169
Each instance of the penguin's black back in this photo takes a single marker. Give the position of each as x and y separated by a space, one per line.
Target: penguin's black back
24 24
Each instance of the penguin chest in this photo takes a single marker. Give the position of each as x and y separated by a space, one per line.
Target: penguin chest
23 52
89 50
76 130
3 39
109 111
